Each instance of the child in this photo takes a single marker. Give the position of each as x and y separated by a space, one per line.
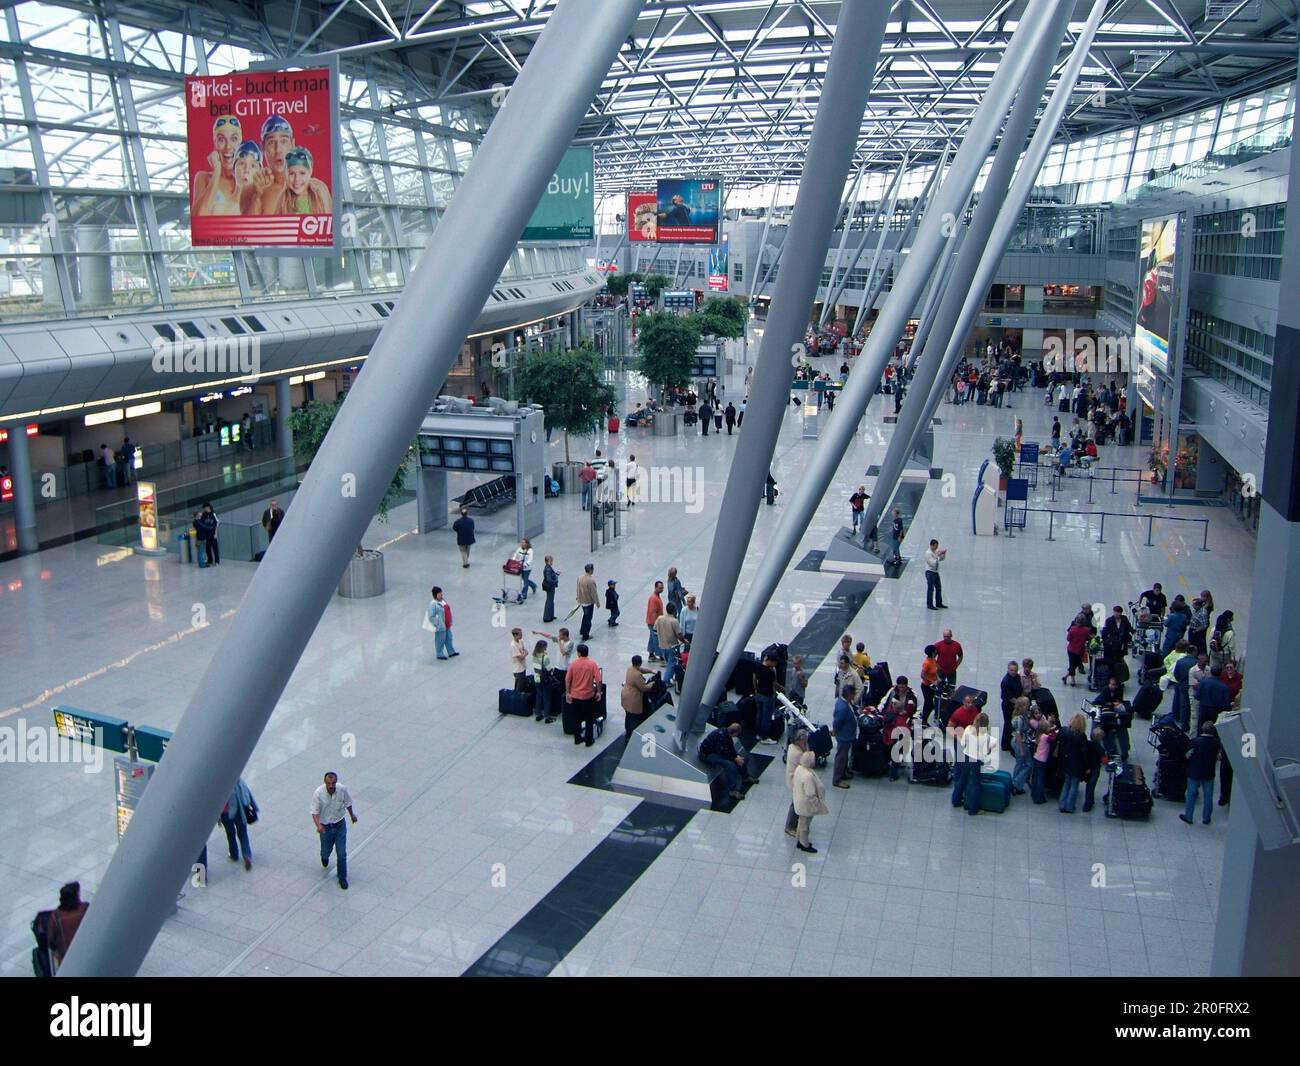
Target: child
303 194
1042 752
248 168
611 601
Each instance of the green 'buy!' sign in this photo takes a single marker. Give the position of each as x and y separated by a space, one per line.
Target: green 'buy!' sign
567 209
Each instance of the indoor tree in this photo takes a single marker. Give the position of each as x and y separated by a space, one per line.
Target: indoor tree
618 284
570 386
667 345
311 422
655 284
723 316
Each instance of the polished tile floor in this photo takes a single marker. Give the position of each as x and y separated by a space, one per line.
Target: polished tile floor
468 822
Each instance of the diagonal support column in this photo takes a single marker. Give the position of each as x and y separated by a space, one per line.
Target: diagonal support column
974 249
927 397
849 73
882 215
382 415
926 322
827 304
874 285
1030 35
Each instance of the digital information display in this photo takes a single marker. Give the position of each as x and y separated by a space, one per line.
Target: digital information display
1159 249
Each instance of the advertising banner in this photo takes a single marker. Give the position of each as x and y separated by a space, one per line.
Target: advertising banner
147 502
642 223
567 209
263 156
1156 288
688 210
718 268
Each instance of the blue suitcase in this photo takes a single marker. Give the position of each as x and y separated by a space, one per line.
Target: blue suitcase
995 791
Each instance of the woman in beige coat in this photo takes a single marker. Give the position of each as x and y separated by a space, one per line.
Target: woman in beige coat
798 745
809 799
632 697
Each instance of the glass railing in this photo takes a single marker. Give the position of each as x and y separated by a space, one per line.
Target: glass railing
1272 138
118 524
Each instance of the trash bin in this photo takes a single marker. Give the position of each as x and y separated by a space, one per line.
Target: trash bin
184 548
567 475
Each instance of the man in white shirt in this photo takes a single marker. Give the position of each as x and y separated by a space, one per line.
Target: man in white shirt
329 804
933 586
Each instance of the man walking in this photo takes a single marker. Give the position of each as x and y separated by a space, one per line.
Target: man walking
668 635
730 416
896 536
587 599
582 683
271 519
329 804
857 502
654 607
933 585
464 530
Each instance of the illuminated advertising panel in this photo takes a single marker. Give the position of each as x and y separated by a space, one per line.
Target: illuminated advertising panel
147 501
718 268
688 210
1156 290
642 223
263 155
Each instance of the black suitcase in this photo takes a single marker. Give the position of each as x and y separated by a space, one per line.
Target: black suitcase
741 681
870 757
1120 671
820 742
515 701
931 773
1147 701
1129 796
1099 676
656 697
724 714
1171 778
879 682
1045 700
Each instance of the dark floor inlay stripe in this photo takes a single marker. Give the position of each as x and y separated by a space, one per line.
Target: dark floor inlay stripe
828 623
542 938
812 562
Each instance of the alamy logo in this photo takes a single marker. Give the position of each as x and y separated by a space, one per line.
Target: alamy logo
1112 354
214 356
45 744
668 484
131 1020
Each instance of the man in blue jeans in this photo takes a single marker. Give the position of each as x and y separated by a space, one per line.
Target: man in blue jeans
1201 760
967 765
329 804
719 749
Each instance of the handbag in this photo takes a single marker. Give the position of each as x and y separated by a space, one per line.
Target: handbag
428 623
250 814
513 566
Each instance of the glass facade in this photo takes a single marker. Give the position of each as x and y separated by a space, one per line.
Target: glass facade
1240 357
93 166
1243 244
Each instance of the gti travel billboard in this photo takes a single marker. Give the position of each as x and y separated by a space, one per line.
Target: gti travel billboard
567 209
263 153
1156 289
688 210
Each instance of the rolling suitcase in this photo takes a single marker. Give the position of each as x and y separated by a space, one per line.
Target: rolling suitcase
1099 675
515 701
879 682
995 791
1171 778
724 714
1129 796
741 681
1147 701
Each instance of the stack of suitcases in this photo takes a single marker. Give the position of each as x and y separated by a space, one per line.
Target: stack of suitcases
1171 745
1129 796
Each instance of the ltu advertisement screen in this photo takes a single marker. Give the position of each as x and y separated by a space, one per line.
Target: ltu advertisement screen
688 210
261 159
1156 288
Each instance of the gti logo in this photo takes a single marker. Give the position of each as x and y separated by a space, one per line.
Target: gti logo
316 226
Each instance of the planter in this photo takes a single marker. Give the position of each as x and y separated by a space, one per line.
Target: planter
364 576
667 423
567 475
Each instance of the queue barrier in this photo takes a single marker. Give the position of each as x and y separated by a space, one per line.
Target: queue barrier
1150 520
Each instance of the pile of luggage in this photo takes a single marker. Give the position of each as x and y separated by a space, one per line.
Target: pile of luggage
1171 745
1129 796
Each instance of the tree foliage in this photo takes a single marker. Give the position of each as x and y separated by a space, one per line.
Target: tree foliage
311 423
570 386
723 316
618 284
655 284
667 345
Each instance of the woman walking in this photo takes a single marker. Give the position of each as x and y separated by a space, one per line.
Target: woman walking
439 616
1076 646
809 799
524 556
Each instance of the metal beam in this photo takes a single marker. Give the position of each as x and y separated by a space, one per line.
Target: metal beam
336 503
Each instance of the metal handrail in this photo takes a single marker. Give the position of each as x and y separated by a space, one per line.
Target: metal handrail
1150 520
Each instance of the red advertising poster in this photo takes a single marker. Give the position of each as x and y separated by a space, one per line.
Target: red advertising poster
261 158
642 221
